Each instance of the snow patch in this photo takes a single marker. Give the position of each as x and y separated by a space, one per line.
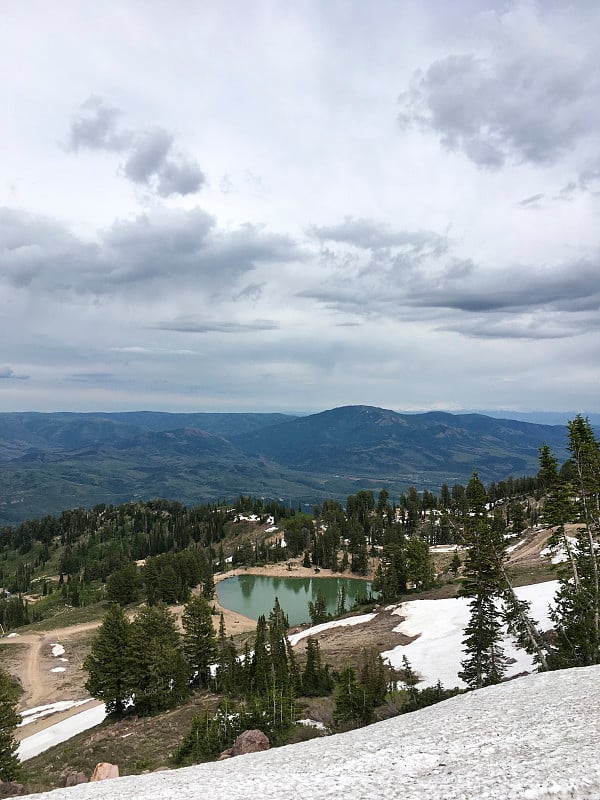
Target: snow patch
33 714
312 723
58 650
335 623
58 669
33 745
437 652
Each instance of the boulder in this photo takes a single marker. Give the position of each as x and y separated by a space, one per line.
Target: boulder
71 778
75 778
11 789
225 754
105 771
250 742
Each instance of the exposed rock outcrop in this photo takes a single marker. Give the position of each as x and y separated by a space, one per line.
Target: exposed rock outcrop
105 771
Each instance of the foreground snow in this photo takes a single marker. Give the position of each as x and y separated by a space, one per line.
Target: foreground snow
437 652
534 738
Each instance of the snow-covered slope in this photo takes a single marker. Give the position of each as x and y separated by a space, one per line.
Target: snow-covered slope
531 738
439 625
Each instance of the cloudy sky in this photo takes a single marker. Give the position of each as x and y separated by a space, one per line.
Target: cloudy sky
260 206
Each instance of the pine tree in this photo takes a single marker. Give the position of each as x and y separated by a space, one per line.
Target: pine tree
158 667
484 662
109 662
316 680
199 640
577 609
317 611
260 667
352 703
9 719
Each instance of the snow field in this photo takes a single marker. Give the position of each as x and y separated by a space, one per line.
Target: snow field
534 738
437 652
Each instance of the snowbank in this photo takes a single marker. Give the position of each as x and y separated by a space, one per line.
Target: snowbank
439 625
32 745
534 738
324 626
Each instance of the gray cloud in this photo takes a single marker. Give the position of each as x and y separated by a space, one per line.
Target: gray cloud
251 292
367 234
179 175
95 127
191 326
150 157
90 377
531 201
147 155
7 373
522 301
167 248
530 98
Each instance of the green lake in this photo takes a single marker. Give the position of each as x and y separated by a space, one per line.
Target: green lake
253 595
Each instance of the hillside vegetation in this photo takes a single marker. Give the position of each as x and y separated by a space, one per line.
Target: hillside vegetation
51 462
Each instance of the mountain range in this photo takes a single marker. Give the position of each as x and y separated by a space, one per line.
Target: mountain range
53 461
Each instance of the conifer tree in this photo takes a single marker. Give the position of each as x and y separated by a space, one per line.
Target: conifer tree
158 667
109 662
484 661
577 609
199 640
9 719
352 703
316 680
317 611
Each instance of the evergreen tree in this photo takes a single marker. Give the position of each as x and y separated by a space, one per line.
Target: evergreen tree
9 719
317 611
123 586
199 640
374 677
109 662
158 667
352 702
577 609
260 666
316 680
484 662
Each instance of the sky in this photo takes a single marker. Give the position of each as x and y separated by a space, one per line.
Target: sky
276 206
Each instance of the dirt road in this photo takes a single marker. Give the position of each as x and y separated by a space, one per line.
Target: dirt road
29 657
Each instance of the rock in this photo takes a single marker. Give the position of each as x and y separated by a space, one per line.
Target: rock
250 742
71 778
105 771
11 789
76 778
225 754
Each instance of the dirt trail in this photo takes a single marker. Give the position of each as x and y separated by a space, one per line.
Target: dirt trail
32 663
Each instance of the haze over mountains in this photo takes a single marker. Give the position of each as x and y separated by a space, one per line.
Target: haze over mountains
50 462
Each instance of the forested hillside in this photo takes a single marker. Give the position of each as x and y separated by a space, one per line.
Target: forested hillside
51 462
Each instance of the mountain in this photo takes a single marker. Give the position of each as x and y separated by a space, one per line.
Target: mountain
49 462
533 737
431 447
21 433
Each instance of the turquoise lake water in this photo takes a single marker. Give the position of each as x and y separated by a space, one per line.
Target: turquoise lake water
253 595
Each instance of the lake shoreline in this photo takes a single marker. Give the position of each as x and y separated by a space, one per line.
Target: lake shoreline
236 623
